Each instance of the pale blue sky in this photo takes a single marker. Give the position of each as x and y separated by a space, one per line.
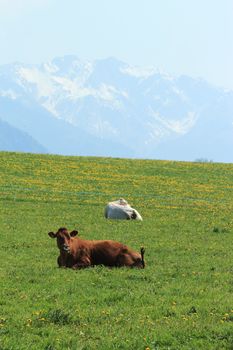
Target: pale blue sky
193 37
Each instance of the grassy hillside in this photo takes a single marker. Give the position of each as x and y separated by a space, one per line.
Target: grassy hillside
182 300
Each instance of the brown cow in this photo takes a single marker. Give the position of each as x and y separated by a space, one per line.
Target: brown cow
79 253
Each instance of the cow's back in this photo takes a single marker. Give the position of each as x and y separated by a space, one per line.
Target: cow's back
116 211
106 252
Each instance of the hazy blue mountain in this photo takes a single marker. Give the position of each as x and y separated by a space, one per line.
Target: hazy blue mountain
56 135
13 139
107 107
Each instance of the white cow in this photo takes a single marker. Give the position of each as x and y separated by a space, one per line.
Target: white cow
120 209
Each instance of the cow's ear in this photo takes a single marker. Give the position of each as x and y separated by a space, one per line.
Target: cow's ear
52 234
73 233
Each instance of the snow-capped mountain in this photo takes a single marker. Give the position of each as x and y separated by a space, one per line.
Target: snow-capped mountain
110 108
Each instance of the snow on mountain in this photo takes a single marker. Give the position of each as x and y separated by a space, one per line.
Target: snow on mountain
133 111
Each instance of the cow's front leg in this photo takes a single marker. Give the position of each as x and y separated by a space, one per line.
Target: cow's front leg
83 263
80 266
61 261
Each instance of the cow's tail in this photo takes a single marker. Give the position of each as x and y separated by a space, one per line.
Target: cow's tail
142 250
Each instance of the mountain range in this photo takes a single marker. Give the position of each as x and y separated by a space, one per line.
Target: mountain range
109 108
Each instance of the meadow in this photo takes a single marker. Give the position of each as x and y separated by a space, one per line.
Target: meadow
183 299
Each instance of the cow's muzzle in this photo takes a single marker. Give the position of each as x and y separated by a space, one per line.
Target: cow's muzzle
66 248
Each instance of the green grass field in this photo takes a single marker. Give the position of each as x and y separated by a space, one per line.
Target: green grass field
182 300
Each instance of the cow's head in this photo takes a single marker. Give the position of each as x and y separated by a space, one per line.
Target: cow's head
63 238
